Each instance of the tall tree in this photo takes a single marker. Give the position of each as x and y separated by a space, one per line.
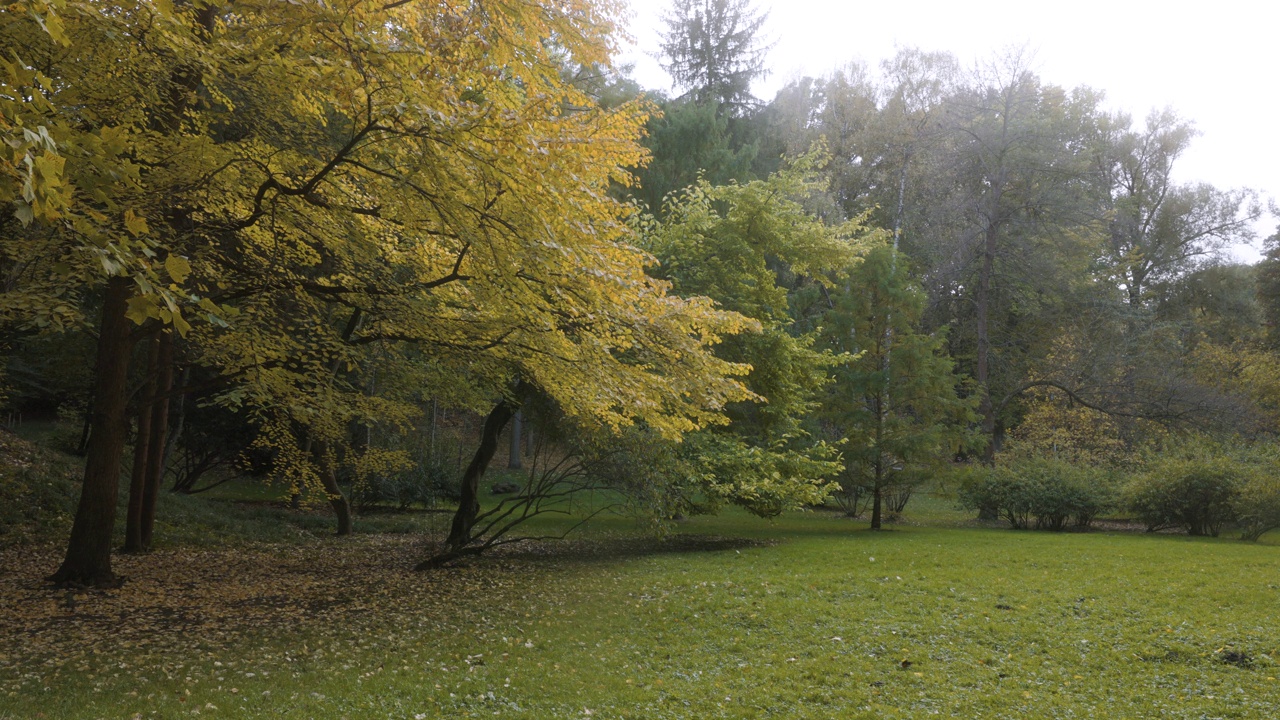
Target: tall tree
895 395
1268 287
748 247
689 142
1019 175
449 206
1159 228
713 50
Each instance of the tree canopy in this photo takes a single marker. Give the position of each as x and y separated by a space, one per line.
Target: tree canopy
324 186
713 49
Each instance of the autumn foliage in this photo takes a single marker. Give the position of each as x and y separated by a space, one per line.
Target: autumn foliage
298 189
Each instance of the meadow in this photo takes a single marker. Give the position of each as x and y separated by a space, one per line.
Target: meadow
807 616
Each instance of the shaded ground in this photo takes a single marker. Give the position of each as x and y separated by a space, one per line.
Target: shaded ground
176 598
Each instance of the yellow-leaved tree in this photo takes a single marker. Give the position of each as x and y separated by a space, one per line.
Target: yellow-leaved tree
324 183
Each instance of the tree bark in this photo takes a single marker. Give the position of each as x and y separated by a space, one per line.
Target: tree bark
159 435
141 448
513 459
983 369
469 502
88 559
179 425
82 448
876 501
338 501
877 493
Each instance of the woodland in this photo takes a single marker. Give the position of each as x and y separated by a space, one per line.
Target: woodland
338 248
358 258
374 354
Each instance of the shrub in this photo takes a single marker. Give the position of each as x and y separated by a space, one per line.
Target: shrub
1197 494
1045 493
1257 504
996 492
433 474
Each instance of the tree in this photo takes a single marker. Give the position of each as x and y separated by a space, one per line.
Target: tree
1268 288
749 247
1019 203
79 212
713 51
1158 228
894 398
882 130
689 142
344 200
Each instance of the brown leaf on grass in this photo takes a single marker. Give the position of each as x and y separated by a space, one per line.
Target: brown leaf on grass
177 599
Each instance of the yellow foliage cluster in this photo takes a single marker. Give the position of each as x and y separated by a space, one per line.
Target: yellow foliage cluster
309 190
1056 427
1244 368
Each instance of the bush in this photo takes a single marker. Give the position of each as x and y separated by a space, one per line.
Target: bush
433 474
1046 493
1197 494
1257 504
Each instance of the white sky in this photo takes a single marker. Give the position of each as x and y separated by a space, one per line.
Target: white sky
1216 63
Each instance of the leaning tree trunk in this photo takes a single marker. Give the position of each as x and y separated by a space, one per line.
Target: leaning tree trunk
88 560
159 436
469 502
141 447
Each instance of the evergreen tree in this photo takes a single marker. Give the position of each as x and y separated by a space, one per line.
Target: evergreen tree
713 51
895 394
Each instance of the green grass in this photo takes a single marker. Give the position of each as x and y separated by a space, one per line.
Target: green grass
262 614
809 616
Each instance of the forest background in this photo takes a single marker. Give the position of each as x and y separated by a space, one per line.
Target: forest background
347 248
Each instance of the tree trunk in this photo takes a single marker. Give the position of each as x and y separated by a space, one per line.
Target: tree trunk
141 447
178 426
88 559
877 490
985 407
875 507
338 501
513 459
983 369
469 502
159 436
82 448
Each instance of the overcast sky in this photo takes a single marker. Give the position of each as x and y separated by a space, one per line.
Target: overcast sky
1216 63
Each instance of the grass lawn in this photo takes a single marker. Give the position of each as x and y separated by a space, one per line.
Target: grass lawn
808 616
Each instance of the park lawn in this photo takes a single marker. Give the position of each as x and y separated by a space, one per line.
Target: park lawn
807 616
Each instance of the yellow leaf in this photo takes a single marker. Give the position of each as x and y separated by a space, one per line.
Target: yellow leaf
134 223
181 325
177 267
140 308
